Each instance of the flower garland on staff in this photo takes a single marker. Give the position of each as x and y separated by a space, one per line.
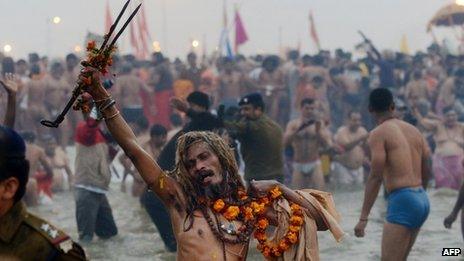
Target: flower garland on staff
252 213
101 60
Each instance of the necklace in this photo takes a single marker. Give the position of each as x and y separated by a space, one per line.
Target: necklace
251 213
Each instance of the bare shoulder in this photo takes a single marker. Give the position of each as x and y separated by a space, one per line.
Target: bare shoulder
293 124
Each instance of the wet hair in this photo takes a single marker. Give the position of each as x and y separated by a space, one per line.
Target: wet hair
158 130
318 60
34 69
175 119
142 123
56 66
191 55
158 56
271 61
13 162
71 56
8 65
305 101
380 100
293 55
226 158
306 59
199 98
21 62
34 58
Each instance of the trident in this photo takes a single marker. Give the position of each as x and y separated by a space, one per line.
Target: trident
104 50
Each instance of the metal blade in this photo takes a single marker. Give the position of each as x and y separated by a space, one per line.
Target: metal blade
113 26
125 25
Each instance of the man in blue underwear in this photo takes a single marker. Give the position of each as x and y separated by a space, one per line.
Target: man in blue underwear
401 159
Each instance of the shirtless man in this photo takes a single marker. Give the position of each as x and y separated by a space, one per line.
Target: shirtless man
417 87
271 85
59 163
230 82
400 158
37 162
57 89
307 135
319 77
448 156
348 166
204 167
35 103
128 89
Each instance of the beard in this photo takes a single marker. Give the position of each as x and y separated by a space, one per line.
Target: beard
211 191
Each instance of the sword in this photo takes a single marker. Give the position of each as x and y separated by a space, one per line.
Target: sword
98 58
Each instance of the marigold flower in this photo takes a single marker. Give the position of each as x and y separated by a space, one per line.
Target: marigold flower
219 205
260 236
276 252
264 201
292 237
283 246
257 208
248 213
266 251
91 45
275 192
262 223
231 212
295 207
294 229
296 221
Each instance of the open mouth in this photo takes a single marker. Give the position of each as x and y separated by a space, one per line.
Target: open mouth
203 175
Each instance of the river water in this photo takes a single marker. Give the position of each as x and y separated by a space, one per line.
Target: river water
138 238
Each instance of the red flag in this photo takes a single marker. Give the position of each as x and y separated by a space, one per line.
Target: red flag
133 40
143 34
313 31
108 18
241 36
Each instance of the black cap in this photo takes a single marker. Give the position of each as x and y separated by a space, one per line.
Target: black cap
11 144
254 99
199 98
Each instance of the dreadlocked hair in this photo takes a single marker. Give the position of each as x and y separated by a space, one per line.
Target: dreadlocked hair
223 151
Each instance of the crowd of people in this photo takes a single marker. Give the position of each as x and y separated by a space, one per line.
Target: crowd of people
301 120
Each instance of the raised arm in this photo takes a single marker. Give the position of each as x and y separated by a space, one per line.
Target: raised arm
290 133
10 84
428 124
121 132
378 161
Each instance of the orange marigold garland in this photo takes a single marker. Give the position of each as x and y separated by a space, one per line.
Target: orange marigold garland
253 211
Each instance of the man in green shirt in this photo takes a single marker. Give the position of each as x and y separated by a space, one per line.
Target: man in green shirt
261 140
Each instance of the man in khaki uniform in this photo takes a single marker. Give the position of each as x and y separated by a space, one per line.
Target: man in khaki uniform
24 236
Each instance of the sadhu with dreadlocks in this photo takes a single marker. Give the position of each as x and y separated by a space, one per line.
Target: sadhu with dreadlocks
212 215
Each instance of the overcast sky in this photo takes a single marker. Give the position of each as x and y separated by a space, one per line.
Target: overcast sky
25 23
